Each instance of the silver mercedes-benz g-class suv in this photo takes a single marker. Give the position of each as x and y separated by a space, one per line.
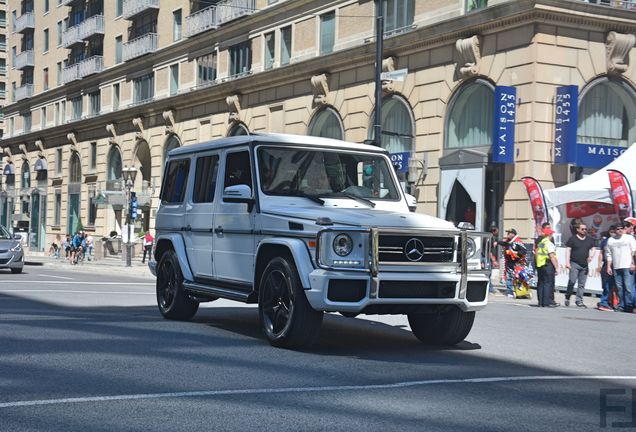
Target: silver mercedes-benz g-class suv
304 225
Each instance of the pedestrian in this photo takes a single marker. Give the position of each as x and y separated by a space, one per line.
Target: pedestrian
148 241
67 244
544 225
620 252
578 254
546 265
607 281
89 246
514 251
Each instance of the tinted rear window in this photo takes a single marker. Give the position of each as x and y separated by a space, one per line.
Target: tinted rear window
175 181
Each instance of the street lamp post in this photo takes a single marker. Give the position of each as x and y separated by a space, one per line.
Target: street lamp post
129 175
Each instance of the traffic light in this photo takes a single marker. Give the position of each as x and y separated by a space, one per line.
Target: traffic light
133 205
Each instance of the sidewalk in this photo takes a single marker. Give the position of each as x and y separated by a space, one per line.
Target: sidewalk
103 266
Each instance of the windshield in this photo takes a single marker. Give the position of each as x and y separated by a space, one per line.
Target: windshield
324 173
4 234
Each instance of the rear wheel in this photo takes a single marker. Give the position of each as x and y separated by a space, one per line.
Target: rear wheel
172 300
286 316
446 328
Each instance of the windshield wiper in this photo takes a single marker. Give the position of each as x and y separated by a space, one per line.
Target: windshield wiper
313 198
364 201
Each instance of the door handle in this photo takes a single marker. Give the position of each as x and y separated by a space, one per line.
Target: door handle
218 230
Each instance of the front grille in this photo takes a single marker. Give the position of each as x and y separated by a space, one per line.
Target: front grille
415 249
417 289
4 260
4 250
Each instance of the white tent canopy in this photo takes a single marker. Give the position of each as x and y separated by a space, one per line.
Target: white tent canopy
594 187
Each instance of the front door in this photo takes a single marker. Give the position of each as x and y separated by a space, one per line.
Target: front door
234 243
199 218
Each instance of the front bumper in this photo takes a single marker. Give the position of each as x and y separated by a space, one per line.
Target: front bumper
14 260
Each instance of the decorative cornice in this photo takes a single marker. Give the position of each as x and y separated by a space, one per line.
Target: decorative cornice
469 55
39 144
73 140
138 122
110 128
234 108
618 46
168 117
389 64
320 87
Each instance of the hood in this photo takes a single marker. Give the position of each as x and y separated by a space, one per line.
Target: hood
6 244
364 217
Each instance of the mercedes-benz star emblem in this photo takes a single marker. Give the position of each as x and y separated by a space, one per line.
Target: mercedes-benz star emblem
414 249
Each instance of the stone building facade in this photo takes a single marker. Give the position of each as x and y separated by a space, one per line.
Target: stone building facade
120 86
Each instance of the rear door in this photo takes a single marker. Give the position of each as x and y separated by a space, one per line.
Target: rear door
199 218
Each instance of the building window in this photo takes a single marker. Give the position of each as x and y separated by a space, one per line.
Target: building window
57 217
114 164
174 79
115 96
240 59
270 48
59 73
46 40
472 5
92 206
470 116
171 143
144 88
285 45
58 161
119 7
60 30
26 176
45 78
93 164
76 106
118 49
14 54
46 6
606 113
75 169
206 69
27 122
63 105
43 120
238 130
398 15
176 25
327 32
94 100
327 124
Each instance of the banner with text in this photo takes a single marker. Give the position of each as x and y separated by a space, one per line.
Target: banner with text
565 124
621 193
503 137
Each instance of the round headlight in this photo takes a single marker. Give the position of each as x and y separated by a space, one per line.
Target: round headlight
342 245
471 248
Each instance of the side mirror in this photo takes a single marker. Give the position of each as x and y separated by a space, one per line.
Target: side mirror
411 201
240 193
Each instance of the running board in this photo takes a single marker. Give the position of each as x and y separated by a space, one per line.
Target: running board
197 288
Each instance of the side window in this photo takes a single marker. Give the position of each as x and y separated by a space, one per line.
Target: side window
175 181
238 169
205 179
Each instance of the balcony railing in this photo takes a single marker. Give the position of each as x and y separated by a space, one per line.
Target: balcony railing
230 10
91 26
24 21
621 4
24 59
139 46
3 70
70 73
91 65
201 21
3 46
23 92
71 36
132 8
3 22
3 94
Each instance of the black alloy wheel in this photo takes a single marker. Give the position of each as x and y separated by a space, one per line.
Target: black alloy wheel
173 302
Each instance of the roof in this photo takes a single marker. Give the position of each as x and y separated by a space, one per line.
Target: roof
268 138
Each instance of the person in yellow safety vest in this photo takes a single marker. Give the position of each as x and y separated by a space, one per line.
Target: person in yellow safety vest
546 265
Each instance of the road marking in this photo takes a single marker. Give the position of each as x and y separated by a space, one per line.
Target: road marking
256 391
53 276
73 291
14 282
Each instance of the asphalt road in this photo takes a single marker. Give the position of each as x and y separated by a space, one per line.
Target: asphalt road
89 351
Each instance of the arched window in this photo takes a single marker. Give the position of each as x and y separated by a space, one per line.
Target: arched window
172 143
26 176
469 121
75 169
607 113
326 123
114 164
239 129
397 125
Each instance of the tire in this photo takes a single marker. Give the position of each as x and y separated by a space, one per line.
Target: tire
287 319
446 328
16 270
172 300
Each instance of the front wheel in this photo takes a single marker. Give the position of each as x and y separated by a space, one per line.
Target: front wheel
286 316
445 328
172 300
16 270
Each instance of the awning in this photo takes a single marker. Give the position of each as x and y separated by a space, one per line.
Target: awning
41 165
9 169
